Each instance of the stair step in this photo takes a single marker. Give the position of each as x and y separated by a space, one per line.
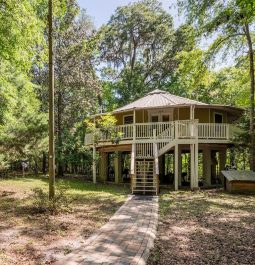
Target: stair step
144 191
144 178
145 187
144 184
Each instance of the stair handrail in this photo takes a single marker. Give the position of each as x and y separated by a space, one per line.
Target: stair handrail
155 151
170 128
132 169
156 174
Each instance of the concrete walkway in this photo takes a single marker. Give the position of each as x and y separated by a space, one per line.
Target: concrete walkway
126 239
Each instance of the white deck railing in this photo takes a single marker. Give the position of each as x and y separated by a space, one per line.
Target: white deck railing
213 131
168 131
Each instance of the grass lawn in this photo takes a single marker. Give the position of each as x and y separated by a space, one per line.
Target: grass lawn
207 227
28 238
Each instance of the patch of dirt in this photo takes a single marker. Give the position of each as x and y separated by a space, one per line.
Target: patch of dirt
27 238
205 228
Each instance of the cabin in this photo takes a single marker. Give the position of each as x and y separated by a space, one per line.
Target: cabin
165 140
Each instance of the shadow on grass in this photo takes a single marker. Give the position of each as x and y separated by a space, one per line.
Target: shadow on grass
76 184
205 228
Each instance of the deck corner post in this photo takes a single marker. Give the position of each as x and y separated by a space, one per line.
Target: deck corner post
176 130
192 166
134 126
176 167
228 131
117 167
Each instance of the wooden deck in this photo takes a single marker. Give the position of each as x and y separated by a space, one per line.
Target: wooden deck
149 141
185 130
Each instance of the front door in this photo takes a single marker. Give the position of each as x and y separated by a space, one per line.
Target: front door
161 116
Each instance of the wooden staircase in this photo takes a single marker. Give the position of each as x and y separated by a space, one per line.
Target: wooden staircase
145 180
144 161
144 169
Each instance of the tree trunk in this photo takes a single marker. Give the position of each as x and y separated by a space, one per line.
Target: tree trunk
51 107
44 163
252 83
36 166
59 135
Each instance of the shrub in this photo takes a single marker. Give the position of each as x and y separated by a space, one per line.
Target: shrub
42 203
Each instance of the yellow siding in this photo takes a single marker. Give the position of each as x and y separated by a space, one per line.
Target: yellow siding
202 114
140 115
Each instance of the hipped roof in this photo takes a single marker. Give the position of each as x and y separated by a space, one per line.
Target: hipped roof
158 98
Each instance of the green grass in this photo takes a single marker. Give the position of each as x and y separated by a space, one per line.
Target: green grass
205 227
21 227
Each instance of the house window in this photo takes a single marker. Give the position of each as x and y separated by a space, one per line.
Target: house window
165 118
128 119
154 118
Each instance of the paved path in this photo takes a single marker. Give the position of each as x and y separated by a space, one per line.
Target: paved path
126 239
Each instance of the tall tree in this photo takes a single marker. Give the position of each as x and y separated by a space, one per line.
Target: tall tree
51 106
22 125
138 45
231 21
76 84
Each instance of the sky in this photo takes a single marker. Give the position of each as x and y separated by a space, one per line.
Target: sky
101 10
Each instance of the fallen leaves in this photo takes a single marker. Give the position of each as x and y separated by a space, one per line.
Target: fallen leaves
205 228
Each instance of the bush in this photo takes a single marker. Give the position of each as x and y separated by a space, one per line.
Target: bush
42 203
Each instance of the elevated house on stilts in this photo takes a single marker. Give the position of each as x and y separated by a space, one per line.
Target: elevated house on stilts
165 140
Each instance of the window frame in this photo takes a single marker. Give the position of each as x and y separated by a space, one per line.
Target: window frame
128 115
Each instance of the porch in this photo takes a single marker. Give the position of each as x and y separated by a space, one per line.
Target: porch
166 131
174 168
149 142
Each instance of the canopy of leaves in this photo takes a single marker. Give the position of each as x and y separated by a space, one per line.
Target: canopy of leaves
138 46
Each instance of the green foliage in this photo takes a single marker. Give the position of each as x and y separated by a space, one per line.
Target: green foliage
105 124
230 86
42 203
23 128
21 32
192 77
139 45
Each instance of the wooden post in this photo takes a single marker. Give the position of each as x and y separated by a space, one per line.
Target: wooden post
196 153
196 166
192 114
103 166
156 162
207 166
117 167
179 166
228 131
155 152
192 166
222 158
134 127
176 162
176 135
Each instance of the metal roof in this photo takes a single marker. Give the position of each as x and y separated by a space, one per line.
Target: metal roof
159 98
236 175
